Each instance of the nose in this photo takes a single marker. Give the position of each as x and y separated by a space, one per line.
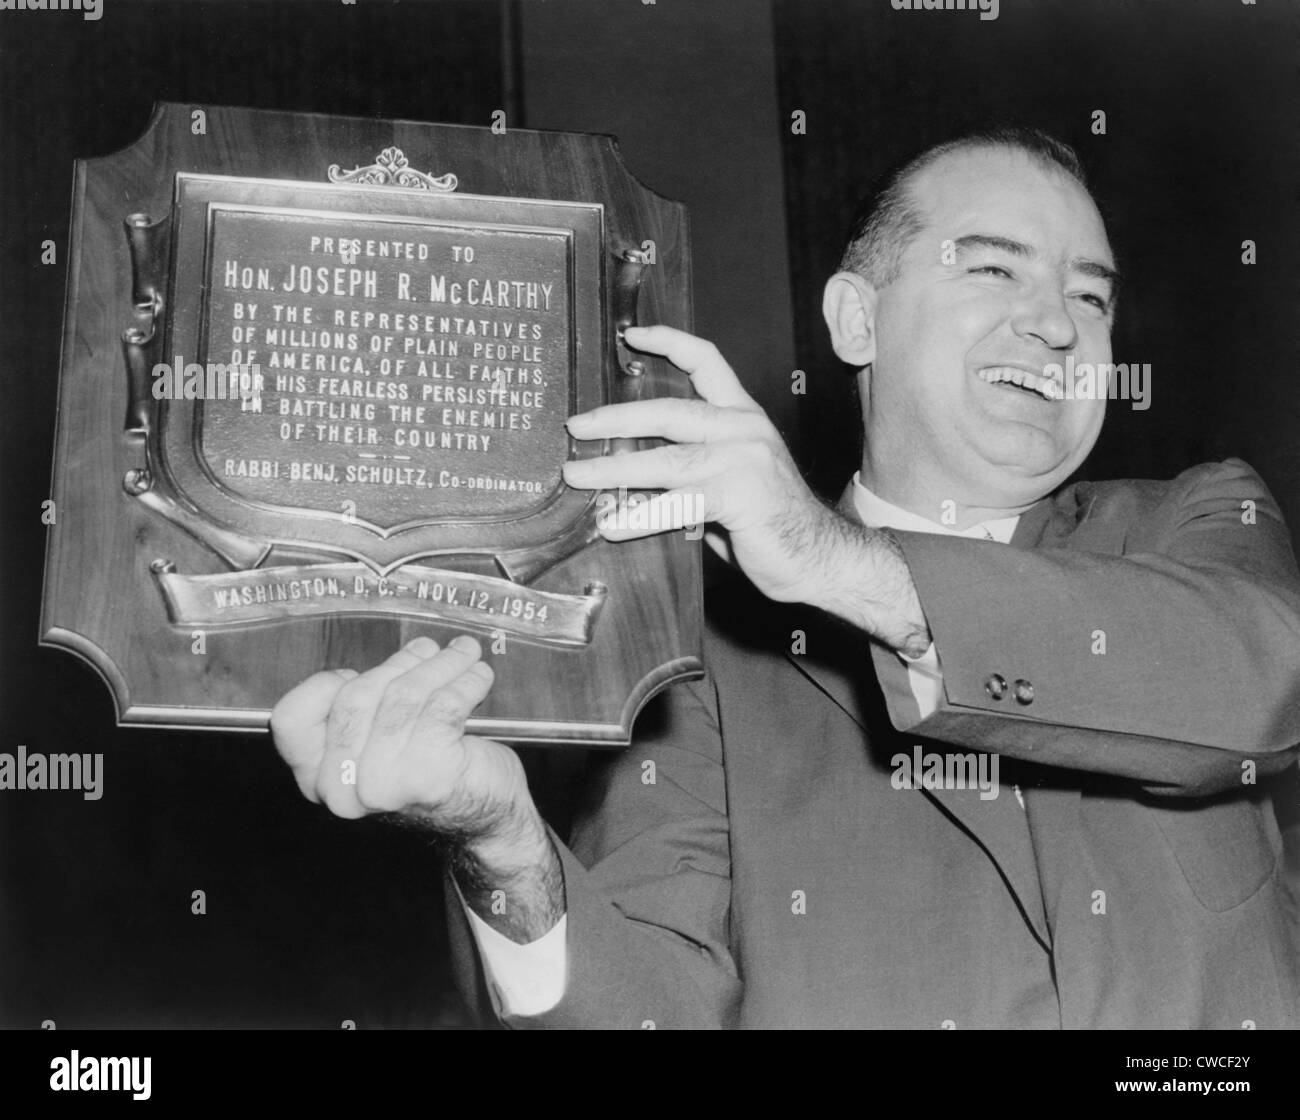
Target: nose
1043 315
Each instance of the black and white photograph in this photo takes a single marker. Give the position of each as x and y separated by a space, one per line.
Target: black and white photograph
650 515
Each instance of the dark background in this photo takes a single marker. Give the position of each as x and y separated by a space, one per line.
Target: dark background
311 920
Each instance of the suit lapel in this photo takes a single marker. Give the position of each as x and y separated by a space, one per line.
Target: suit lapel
1033 524
999 826
1051 807
826 636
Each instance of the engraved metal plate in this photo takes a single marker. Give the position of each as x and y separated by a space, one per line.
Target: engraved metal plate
418 355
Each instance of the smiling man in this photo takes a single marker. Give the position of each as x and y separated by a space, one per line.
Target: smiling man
1002 268
810 848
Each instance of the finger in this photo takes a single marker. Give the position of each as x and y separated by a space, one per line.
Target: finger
658 513
681 421
661 468
461 652
442 719
398 696
447 688
712 378
348 725
349 719
298 724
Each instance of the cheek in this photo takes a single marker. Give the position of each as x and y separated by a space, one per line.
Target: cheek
1087 416
1094 341
931 343
962 318
1083 426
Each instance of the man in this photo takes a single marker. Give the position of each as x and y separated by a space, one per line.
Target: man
1118 660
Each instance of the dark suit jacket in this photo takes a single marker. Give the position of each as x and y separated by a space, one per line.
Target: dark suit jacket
774 876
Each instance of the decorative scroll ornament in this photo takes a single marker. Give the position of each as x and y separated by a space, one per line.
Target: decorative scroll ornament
391 169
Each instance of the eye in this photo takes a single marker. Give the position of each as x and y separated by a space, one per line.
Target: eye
1099 302
992 269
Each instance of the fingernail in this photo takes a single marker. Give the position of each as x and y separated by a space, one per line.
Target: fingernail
579 420
423 646
464 643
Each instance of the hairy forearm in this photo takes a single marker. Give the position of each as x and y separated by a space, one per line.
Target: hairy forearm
866 582
512 879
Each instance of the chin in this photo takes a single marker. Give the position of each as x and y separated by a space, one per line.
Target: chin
1026 453
1021 480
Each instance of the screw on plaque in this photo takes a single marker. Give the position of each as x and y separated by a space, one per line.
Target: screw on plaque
137 480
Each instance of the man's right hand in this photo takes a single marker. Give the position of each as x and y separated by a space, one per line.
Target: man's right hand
391 740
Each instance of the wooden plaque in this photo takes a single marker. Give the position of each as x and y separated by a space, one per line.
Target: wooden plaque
314 383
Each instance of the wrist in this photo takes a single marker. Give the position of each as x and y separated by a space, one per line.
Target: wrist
516 846
867 583
847 582
513 879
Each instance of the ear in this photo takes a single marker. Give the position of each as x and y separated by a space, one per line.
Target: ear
849 307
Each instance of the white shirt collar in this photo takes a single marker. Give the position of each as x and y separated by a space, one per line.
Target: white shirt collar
876 513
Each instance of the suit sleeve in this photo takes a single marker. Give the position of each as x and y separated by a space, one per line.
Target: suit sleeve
1174 664
647 884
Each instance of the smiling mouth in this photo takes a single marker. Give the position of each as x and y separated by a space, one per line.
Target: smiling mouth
1012 377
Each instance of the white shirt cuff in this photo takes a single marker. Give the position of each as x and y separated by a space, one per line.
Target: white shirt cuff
925 679
524 979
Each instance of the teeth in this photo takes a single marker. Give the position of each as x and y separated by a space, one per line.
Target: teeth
1046 387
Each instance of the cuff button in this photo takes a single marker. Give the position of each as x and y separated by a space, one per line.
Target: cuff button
1024 692
996 686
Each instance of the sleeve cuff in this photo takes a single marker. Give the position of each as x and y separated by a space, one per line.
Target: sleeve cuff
925 679
524 980
927 660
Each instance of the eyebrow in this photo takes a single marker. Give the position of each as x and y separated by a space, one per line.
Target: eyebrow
1094 269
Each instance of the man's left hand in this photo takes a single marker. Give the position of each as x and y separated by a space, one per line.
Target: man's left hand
726 463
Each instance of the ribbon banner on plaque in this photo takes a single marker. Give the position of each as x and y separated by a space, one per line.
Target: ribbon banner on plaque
313 404
473 602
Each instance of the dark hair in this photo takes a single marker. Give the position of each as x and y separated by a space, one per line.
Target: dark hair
888 218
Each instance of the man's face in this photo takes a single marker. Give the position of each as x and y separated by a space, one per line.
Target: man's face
1006 277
